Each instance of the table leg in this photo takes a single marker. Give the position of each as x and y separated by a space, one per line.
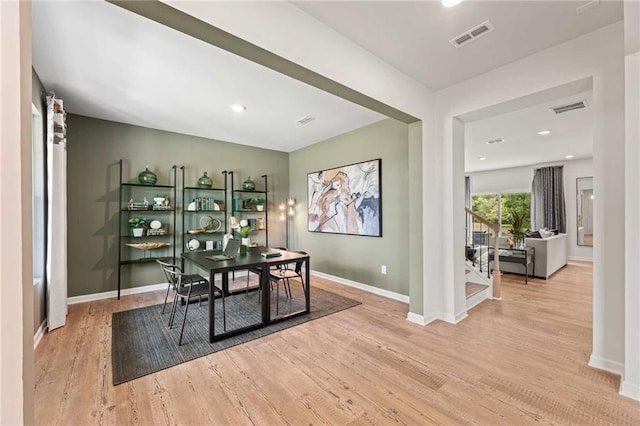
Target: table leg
308 284
212 308
266 294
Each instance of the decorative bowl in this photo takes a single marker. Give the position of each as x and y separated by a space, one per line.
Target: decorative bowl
148 246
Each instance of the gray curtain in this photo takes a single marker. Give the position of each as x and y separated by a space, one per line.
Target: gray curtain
547 199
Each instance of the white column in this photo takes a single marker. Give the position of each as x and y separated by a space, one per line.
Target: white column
630 384
16 275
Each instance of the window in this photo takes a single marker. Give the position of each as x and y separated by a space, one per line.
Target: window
501 207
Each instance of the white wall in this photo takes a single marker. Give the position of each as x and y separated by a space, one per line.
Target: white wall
598 55
631 380
518 179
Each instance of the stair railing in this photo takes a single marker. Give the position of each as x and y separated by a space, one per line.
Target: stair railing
483 248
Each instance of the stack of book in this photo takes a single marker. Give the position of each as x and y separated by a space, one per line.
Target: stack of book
159 231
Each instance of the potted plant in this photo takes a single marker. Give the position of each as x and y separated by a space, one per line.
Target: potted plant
245 230
517 221
259 203
138 225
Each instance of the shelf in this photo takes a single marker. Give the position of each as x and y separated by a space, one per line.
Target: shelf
148 211
146 236
249 192
195 188
141 185
203 211
143 260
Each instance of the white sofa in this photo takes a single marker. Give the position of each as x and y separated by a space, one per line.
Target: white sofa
550 255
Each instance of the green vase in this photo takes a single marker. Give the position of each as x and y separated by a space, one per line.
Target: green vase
205 181
147 177
248 185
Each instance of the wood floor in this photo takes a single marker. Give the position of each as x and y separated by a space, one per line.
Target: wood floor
522 360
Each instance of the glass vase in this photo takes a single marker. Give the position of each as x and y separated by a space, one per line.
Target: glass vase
205 181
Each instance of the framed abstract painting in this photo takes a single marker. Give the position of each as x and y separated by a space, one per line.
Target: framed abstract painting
346 200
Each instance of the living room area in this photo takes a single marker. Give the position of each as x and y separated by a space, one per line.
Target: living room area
513 163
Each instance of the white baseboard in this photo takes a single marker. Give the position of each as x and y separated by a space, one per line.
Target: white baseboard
614 367
366 287
127 291
630 390
421 319
114 293
39 333
581 259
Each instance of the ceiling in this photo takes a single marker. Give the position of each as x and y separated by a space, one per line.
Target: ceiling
108 63
414 36
571 134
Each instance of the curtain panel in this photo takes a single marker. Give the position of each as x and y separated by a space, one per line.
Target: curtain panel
547 199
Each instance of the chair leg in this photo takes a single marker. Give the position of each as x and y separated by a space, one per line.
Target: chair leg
247 292
173 310
166 296
184 319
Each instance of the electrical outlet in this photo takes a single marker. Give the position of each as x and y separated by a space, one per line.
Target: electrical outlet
383 269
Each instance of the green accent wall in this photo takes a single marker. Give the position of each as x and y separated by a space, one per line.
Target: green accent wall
359 258
93 150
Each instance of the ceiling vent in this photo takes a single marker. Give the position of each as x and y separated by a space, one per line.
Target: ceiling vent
476 32
569 107
304 120
491 142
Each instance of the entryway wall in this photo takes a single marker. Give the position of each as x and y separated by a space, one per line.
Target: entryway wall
598 55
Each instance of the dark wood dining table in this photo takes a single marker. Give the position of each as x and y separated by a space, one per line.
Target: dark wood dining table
252 259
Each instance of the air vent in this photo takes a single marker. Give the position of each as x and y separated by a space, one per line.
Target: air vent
569 107
304 120
468 36
491 142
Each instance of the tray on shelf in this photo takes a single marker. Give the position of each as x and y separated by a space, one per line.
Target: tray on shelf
148 246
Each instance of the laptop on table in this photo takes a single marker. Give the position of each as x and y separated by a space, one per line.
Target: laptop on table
230 251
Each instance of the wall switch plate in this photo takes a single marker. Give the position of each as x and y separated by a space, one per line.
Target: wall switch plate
383 269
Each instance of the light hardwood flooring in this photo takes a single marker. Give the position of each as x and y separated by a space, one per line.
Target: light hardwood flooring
522 360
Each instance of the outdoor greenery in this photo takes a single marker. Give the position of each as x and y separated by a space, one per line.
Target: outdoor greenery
518 203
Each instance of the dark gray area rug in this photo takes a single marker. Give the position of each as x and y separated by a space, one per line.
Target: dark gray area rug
142 342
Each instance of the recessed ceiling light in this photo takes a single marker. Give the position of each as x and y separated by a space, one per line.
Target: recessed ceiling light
568 157
450 3
544 132
482 158
238 107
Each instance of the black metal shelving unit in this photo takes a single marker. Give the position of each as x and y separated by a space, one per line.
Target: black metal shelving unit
192 194
128 191
241 194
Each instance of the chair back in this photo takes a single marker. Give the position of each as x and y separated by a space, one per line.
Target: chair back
167 268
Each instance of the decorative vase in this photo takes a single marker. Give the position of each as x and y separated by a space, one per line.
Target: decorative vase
260 207
205 181
245 245
147 177
137 232
248 185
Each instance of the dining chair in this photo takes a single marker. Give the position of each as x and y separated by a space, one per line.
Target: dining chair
171 283
258 271
188 287
284 274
